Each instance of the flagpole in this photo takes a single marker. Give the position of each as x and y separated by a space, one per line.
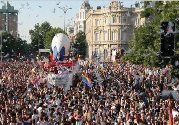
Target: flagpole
170 121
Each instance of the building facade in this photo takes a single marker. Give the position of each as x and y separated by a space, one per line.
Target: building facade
80 19
109 29
9 19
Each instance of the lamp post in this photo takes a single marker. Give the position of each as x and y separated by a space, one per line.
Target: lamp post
64 9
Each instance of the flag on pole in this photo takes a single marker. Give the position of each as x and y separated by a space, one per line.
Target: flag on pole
170 121
51 57
77 57
86 80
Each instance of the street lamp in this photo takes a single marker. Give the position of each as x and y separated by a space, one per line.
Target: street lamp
64 9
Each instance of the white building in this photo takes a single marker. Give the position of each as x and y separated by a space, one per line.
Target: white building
109 29
80 20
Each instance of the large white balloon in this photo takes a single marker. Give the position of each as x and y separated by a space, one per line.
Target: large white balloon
61 40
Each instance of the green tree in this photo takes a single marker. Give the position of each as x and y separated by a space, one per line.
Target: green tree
13 46
21 46
145 43
28 48
80 44
49 36
8 43
38 35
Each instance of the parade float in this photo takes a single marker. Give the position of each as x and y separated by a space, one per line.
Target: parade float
59 55
60 64
60 46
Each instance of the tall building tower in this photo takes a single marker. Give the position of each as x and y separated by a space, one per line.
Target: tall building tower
80 20
9 19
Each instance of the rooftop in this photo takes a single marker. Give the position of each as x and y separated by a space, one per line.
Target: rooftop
8 8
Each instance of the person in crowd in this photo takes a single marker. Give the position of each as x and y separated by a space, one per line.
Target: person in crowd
127 95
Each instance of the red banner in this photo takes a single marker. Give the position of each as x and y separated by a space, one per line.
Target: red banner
59 64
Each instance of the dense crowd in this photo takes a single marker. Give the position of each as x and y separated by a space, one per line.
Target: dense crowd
127 94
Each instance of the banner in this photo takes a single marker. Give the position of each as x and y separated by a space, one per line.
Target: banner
50 80
87 81
63 79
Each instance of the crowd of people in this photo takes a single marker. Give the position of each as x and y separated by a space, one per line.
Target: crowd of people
126 94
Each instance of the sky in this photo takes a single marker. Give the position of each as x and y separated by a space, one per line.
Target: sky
32 12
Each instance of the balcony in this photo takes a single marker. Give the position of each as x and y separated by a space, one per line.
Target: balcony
106 42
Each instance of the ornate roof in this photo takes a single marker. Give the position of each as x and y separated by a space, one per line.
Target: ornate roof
85 5
114 4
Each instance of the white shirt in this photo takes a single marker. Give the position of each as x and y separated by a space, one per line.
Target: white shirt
175 113
141 104
39 110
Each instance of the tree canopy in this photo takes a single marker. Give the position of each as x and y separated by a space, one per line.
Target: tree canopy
145 43
49 36
7 40
80 44
38 35
13 46
42 35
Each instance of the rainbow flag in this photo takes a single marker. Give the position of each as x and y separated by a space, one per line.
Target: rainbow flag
51 57
87 81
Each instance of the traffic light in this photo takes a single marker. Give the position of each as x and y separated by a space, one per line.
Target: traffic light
167 37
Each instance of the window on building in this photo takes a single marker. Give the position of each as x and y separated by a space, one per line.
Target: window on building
124 36
114 35
114 19
96 36
97 22
96 51
105 20
105 53
124 20
119 19
105 36
109 31
80 15
109 20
